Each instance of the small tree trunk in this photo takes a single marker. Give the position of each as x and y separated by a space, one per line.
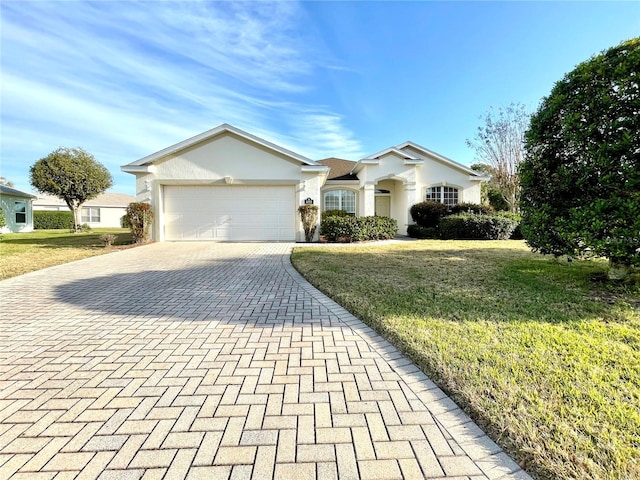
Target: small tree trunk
76 219
618 270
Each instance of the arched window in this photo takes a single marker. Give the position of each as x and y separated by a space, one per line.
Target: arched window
446 195
340 200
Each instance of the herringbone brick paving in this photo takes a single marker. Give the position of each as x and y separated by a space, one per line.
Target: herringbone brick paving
213 361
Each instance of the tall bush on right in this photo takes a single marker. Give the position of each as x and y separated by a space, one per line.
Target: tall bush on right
140 218
581 175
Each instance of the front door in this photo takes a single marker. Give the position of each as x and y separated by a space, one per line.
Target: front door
383 205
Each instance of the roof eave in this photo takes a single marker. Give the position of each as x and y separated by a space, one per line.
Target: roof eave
442 158
137 168
225 127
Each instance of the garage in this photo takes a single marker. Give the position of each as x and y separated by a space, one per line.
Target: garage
226 184
229 213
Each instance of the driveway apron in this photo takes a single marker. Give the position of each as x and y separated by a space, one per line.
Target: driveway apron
214 361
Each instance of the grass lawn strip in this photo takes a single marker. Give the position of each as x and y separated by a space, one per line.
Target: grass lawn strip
546 360
26 252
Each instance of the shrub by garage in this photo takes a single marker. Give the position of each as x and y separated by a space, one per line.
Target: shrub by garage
469 226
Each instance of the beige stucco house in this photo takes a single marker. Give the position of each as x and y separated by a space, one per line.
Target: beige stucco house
104 211
18 210
227 184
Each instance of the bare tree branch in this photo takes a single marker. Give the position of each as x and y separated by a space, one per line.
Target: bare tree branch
499 143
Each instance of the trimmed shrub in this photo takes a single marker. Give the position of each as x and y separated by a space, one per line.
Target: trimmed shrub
358 229
3 219
333 213
140 215
428 214
470 208
125 221
517 233
334 228
416 231
375 228
465 226
52 220
309 217
108 239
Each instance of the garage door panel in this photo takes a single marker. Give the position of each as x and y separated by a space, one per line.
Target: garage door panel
229 213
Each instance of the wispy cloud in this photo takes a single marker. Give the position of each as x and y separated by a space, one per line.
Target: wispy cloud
123 79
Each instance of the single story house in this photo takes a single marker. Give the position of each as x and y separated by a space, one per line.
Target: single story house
104 211
17 209
227 184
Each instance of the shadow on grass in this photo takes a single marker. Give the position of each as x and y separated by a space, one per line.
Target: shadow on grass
471 283
66 240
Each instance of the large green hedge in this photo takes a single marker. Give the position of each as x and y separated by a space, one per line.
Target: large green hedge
358 229
469 226
52 220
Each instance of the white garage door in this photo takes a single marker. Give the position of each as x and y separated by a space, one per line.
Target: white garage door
232 213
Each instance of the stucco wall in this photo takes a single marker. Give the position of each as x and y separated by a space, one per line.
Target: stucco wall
109 217
7 203
226 160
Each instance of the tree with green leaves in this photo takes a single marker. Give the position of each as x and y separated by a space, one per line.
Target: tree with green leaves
490 191
73 175
499 144
581 176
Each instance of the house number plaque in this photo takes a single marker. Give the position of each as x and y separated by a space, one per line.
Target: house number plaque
308 201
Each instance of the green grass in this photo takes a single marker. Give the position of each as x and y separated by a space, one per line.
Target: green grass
26 252
543 354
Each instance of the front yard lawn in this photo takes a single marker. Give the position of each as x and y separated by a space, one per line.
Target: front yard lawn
25 252
543 354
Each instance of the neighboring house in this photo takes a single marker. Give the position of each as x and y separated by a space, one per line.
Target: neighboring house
227 184
104 211
17 208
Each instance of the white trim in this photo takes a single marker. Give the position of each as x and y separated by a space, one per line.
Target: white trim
342 182
442 158
395 150
393 177
442 185
137 168
355 192
224 128
314 168
222 181
375 158
478 178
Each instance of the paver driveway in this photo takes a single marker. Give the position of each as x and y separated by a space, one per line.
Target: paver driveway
213 361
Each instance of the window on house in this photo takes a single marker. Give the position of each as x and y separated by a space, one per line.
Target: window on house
21 212
340 200
90 215
446 195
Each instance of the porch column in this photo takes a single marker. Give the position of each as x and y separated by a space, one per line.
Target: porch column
410 195
369 200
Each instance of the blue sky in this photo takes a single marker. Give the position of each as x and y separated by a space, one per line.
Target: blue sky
347 79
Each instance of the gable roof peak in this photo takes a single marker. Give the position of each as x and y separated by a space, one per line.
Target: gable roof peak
438 156
222 128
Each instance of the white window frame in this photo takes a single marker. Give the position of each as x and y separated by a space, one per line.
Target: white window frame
20 208
87 215
442 194
341 200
